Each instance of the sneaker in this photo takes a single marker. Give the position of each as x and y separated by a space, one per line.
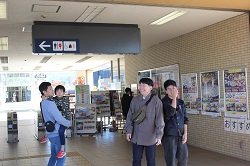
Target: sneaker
60 154
43 140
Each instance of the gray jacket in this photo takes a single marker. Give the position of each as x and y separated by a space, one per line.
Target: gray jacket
151 127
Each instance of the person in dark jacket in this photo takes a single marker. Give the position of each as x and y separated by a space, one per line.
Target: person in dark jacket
175 131
126 100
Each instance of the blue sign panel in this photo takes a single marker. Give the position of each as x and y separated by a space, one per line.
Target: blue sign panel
57 46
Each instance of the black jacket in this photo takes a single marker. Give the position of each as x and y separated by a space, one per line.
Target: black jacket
174 118
126 100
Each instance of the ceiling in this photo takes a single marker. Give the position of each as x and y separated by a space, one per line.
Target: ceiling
20 43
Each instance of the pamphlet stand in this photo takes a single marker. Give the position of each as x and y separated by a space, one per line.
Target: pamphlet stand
12 127
39 129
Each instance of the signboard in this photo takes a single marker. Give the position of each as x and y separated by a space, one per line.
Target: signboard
82 94
85 118
190 92
43 45
235 88
210 93
102 101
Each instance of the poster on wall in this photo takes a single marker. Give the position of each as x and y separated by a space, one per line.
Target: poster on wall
210 93
102 101
190 92
235 91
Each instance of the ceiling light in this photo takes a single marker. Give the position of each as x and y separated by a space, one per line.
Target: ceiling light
3 43
3 10
5 68
37 67
4 59
169 17
84 59
45 59
90 13
67 67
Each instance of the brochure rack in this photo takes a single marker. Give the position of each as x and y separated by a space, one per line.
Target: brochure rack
12 127
39 129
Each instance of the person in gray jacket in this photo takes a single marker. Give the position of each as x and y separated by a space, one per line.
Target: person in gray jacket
146 135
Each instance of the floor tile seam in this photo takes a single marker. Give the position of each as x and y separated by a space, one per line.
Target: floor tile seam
69 154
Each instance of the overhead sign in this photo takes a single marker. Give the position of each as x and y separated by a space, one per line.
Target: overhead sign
57 46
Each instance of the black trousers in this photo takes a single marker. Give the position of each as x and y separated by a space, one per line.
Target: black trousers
174 149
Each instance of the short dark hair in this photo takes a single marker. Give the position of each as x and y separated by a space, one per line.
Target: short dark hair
44 86
168 83
147 81
61 87
128 90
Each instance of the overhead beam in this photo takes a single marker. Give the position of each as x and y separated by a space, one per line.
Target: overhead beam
234 5
209 4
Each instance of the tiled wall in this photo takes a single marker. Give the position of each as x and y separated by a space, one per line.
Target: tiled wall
220 46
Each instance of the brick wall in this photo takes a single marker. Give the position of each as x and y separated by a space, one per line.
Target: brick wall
220 46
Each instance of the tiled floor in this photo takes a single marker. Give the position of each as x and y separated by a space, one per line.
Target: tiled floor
109 149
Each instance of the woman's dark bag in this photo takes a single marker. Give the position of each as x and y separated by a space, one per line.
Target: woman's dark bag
138 116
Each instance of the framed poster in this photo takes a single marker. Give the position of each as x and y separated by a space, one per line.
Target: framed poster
102 101
190 92
85 118
235 93
210 93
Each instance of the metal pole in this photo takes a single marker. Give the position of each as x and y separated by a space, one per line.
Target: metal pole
112 69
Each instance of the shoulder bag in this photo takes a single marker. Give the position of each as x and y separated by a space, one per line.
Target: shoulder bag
138 116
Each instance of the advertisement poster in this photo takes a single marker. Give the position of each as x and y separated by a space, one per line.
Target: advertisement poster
85 118
116 106
82 94
210 93
102 101
190 92
235 89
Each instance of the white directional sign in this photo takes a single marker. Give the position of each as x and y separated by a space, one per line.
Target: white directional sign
42 46
56 46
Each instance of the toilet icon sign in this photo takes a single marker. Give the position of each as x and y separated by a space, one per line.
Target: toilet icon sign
57 46
69 46
43 45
